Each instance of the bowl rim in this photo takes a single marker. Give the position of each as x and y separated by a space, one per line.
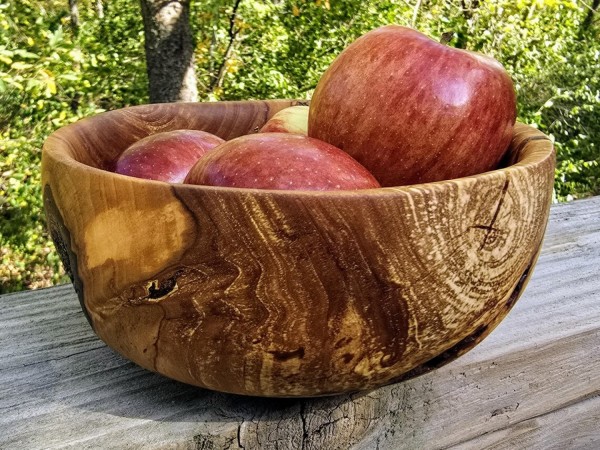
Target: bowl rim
56 148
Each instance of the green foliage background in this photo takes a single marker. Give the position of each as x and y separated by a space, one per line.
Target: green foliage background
52 75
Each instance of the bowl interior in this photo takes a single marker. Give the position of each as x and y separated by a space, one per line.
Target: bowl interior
99 141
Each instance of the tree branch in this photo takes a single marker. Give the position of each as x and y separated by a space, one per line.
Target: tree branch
232 32
468 11
415 16
589 18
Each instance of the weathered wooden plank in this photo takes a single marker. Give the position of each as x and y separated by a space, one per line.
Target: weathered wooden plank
60 387
575 426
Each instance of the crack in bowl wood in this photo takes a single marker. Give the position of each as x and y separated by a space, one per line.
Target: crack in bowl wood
288 293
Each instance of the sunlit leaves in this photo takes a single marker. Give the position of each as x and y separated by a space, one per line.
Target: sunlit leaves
45 75
279 49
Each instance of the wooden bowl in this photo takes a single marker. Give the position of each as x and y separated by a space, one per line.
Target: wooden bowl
287 293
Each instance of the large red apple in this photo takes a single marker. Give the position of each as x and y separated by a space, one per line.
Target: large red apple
166 156
280 161
293 119
412 110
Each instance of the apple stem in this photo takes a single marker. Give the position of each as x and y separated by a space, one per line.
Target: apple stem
446 37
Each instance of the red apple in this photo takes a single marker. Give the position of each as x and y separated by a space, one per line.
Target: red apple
293 119
412 110
166 156
280 161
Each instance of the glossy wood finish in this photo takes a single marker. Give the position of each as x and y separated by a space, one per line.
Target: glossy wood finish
283 293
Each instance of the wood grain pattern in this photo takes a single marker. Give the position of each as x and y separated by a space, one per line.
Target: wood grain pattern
277 293
533 383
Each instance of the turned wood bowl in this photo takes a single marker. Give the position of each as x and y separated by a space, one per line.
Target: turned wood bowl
287 293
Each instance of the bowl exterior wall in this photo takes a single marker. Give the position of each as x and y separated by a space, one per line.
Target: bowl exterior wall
292 293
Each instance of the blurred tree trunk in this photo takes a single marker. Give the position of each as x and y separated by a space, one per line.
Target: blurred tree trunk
169 51
100 9
74 12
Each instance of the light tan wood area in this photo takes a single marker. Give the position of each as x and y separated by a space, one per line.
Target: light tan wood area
283 293
534 383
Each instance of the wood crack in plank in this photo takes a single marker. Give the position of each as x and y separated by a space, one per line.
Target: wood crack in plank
239 435
565 405
304 428
51 359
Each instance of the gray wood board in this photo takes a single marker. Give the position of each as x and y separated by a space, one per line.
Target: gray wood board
534 382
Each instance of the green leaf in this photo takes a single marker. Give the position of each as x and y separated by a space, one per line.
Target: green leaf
19 65
26 54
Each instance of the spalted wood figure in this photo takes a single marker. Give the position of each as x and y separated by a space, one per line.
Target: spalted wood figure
288 293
